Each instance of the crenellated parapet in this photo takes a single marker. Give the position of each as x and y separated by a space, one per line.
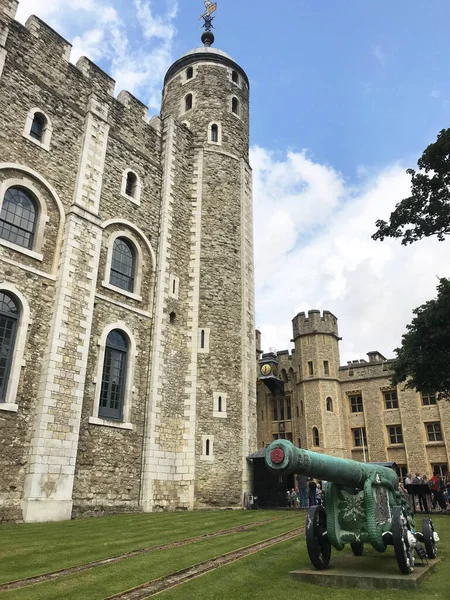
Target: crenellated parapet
43 56
315 323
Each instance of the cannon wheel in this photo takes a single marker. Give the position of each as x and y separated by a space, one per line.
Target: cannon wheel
317 542
428 538
404 552
357 548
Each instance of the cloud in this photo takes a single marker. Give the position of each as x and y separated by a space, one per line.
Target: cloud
379 53
314 249
134 47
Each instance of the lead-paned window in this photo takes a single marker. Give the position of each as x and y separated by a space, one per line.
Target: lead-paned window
359 437
9 315
112 393
428 399
395 434
18 217
123 265
356 404
390 399
434 432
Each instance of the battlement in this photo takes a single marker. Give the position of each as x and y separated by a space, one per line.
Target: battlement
37 49
9 8
315 323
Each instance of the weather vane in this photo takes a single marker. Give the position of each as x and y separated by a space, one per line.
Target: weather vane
210 8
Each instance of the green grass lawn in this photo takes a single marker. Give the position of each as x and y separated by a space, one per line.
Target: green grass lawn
265 576
33 549
109 579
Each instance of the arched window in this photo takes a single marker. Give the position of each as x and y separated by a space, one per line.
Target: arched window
214 133
189 73
284 376
329 404
316 439
9 316
18 217
235 77
114 376
131 185
123 265
188 102
207 444
38 126
235 105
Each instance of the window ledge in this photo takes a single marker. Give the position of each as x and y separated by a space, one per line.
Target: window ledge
440 443
220 415
207 458
109 286
22 250
30 138
360 448
394 446
136 201
9 406
106 423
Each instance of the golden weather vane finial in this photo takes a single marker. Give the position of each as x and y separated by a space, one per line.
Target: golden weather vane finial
210 8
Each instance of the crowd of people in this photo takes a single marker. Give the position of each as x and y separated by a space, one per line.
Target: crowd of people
309 492
436 491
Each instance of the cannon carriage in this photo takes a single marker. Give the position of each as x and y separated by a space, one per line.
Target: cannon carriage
364 505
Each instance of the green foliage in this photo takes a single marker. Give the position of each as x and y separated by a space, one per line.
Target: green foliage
424 357
427 211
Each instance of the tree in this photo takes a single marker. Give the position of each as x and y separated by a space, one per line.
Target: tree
427 211
423 360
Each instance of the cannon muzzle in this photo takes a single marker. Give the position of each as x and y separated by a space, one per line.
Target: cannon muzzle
283 458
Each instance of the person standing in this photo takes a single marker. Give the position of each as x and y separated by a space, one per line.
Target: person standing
302 483
312 487
437 489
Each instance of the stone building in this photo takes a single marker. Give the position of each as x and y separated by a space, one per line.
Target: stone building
350 411
127 372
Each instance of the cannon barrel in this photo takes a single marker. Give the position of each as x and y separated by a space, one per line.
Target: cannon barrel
283 458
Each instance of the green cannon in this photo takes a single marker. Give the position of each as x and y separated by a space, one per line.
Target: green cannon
364 504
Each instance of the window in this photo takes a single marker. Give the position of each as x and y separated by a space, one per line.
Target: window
275 436
299 442
207 447
18 217
131 185
123 265
282 409
202 338
214 133
302 407
356 404
359 437
434 432
329 404
9 316
189 73
288 408
390 399
440 469
173 318
207 444
395 434
235 105
234 77
326 367
114 376
316 439
310 368
298 412
428 399
38 126
188 102
289 436
262 415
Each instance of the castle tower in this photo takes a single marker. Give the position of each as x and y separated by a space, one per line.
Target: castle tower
204 431
317 352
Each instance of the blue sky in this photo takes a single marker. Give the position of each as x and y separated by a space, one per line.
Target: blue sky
345 96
